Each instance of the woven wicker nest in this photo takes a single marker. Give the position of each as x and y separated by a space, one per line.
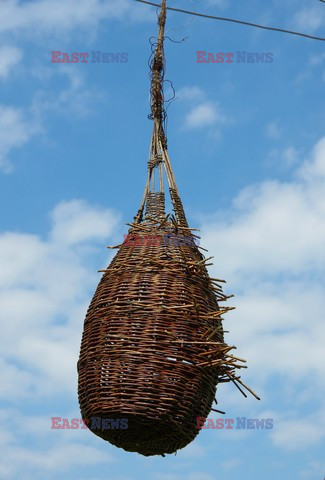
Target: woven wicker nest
153 348
151 331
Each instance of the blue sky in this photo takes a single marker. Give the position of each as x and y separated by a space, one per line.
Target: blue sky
247 144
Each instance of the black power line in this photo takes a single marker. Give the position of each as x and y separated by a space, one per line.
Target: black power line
237 21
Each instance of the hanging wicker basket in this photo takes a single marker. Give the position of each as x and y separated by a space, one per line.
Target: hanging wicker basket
153 348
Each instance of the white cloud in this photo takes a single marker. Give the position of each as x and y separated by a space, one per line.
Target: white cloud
63 102
202 115
190 93
76 222
44 291
59 457
19 125
14 380
49 16
9 58
270 249
45 288
314 170
205 114
200 111
15 130
276 227
50 461
299 433
280 329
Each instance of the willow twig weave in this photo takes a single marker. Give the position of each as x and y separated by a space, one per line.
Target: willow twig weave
153 349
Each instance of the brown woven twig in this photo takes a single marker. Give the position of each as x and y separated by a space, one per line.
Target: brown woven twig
146 353
153 348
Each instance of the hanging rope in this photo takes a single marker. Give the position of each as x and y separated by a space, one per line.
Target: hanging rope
158 71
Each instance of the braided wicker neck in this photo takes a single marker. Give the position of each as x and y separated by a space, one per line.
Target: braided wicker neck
159 163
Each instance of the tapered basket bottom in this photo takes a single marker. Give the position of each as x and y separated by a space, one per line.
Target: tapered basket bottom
137 433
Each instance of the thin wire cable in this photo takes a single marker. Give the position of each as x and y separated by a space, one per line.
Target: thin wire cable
237 21
186 24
